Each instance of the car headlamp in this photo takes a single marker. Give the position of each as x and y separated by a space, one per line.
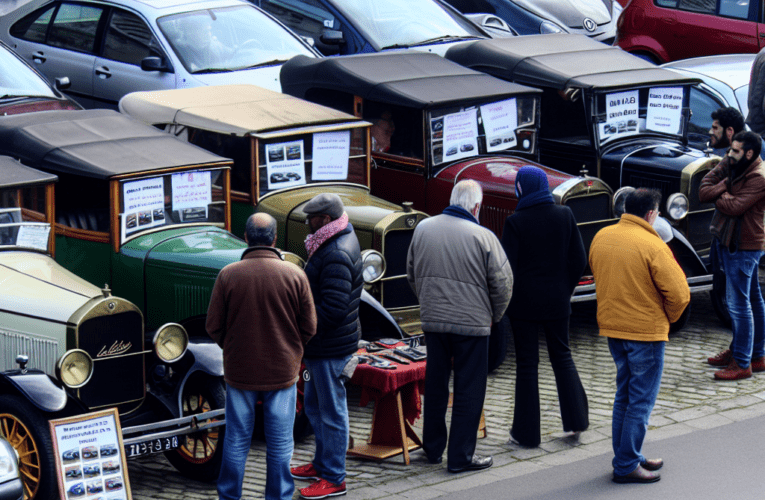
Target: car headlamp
74 368
170 342
9 462
677 206
548 27
619 198
372 265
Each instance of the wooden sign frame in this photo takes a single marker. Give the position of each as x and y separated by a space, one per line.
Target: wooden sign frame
89 456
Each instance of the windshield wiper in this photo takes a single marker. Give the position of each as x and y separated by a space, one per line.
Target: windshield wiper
267 63
212 70
445 38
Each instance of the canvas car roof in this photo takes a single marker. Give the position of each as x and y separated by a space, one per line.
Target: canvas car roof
229 109
561 61
407 78
96 143
17 175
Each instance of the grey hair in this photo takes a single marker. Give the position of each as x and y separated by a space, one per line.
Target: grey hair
260 230
467 194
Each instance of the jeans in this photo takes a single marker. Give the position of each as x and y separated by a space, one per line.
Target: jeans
278 420
745 304
326 407
638 377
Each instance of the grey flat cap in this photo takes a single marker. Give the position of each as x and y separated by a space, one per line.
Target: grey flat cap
325 204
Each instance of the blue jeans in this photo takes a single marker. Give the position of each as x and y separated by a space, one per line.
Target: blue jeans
278 420
638 377
326 407
745 304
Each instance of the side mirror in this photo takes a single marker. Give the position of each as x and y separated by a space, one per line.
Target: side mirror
62 83
495 26
332 37
155 63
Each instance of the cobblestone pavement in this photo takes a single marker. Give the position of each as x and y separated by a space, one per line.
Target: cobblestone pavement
689 399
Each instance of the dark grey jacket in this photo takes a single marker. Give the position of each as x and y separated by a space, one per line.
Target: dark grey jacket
756 98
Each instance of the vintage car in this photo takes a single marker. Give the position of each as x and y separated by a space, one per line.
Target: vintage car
72 341
286 151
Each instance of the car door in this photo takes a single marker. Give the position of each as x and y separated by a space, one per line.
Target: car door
117 71
714 27
61 42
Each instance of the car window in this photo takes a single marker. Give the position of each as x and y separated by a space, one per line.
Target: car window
701 6
75 27
17 79
735 8
304 17
742 95
34 26
22 218
702 105
129 39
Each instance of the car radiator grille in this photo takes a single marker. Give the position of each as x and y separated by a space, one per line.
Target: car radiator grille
42 352
590 208
117 376
666 186
494 218
397 292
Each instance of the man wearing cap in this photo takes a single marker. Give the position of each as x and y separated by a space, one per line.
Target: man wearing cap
334 272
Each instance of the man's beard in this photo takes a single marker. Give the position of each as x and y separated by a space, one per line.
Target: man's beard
738 166
722 142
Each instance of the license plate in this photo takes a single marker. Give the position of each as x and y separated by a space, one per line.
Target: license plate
150 447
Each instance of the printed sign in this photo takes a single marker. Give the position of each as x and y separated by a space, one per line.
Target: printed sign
460 135
331 151
621 115
192 193
144 203
665 109
89 456
500 119
285 164
33 236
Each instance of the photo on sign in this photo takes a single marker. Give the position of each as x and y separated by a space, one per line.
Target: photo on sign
285 164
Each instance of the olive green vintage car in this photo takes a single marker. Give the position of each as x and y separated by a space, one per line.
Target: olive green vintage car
69 347
286 151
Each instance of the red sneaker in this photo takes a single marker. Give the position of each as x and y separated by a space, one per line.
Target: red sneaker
721 358
733 372
758 364
306 471
323 489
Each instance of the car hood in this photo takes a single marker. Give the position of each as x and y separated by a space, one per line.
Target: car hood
569 13
647 159
36 285
266 77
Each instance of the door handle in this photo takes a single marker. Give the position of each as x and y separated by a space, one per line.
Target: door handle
38 57
103 72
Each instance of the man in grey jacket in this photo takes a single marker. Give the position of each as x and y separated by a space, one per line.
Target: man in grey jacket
756 98
463 281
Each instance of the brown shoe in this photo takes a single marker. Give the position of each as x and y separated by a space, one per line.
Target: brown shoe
758 365
733 372
721 358
653 464
639 475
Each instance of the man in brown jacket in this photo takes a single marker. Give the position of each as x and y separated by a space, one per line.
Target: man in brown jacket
737 188
262 314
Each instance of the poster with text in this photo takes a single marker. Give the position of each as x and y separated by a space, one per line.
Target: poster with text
192 193
461 135
89 457
33 236
621 115
500 119
331 151
144 203
665 109
285 164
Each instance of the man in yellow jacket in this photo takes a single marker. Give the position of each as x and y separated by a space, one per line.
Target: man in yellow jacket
640 290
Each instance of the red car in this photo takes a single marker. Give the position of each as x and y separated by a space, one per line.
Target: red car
667 30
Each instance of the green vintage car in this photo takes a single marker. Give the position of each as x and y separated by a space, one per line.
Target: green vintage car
70 347
286 151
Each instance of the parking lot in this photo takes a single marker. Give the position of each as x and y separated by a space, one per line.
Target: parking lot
688 393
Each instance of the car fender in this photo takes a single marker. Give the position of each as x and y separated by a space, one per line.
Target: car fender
686 256
38 388
643 43
374 317
207 358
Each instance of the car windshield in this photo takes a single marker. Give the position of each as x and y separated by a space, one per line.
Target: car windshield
406 23
651 110
229 39
22 219
18 80
459 132
190 197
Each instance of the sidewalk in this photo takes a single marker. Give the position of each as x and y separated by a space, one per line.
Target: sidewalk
689 400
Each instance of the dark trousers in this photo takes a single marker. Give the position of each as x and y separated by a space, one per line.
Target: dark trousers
469 357
571 395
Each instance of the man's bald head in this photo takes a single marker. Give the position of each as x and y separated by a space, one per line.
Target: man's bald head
260 230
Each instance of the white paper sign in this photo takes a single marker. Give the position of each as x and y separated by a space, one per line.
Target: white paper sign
621 115
144 202
33 236
285 164
192 193
461 135
331 151
665 108
500 119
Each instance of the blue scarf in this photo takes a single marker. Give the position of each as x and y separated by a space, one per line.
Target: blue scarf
459 212
531 188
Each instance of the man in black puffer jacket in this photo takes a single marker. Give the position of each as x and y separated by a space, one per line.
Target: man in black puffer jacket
334 272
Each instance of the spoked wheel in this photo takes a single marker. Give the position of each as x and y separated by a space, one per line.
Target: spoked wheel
200 453
25 428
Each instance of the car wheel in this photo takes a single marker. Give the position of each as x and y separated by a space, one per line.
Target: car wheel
25 428
498 343
200 454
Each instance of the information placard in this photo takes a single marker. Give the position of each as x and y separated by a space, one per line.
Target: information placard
665 108
461 135
144 204
285 164
89 456
331 151
500 119
621 115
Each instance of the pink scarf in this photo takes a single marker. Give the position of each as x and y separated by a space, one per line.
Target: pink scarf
315 240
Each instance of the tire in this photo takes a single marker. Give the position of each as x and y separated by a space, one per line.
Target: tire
200 454
498 343
27 430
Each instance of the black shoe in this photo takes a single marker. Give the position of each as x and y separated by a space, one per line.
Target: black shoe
639 475
436 460
652 464
478 463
